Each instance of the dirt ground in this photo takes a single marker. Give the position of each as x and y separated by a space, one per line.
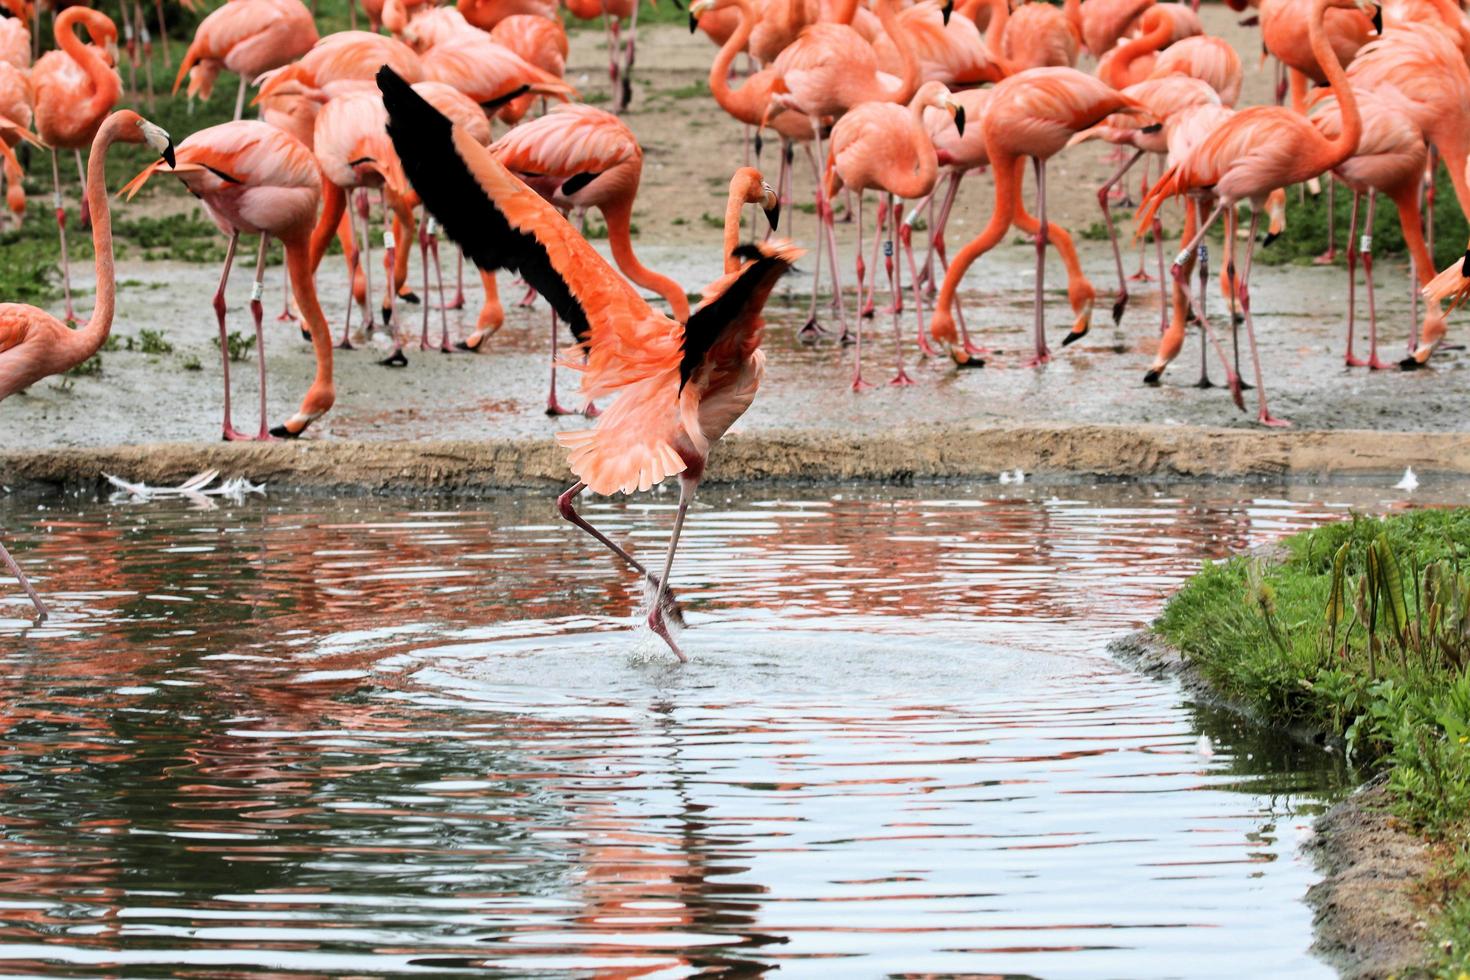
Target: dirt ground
690 149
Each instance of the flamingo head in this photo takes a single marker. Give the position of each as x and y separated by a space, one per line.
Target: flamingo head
157 137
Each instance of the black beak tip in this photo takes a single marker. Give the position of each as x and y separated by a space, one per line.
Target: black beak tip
1465 265
281 432
773 215
1271 236
1410 364
1071 339
1378 19
959 120
693 23
947 10
1151 379
168 154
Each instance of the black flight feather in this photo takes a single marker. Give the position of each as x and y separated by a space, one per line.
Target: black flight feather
422 136
499 102
743 300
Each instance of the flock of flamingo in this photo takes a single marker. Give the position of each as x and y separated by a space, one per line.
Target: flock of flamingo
889 98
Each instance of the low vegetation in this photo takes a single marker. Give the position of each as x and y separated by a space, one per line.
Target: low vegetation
1362 630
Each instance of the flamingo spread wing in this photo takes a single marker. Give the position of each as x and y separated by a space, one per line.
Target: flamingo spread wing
503 224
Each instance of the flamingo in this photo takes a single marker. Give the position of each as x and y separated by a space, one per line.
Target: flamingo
577 156
486 14
487 72
1039 35
1210 59
539 42
1419 71
747 187
75 88
1254 153
1390 159
255 179
620 53
352 147
16 110
681 385
249 38
1133 60
1031 114
886 147
827 70
36 345
949 49
1100 23
347 56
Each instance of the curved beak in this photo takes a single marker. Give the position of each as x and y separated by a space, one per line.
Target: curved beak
1378 19
958 112
771 205
156 137
947 11
696 9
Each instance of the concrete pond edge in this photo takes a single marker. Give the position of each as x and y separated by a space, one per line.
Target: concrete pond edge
932 451
1368 920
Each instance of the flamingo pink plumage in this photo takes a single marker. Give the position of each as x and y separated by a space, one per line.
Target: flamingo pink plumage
249 38
254 179
36 345
75 87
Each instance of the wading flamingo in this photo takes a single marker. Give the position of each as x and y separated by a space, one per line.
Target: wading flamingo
33 343
1255 152
249 38
1031 114
886 147
75 88
681 386
255 179
578 156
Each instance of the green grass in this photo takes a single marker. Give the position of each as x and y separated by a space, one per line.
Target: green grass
1326 639
1306 226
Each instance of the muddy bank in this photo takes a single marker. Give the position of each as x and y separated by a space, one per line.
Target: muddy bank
933 451
1368 921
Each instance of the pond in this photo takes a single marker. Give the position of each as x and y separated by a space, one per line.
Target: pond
315 736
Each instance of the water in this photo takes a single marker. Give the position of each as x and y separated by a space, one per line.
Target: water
317 737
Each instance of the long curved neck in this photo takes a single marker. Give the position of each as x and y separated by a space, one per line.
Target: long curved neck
91 336
85 55
888 17
1153 39
921 180
1346 143
619 238
733 208
1000 15
719 72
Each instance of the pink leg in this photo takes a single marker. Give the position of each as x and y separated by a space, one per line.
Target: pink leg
1204 285
424 261
1352 266
811 329
1330 256
1142 274
554 407
257 313
906 239
71 316
902 377
25 584
1157 228
656 614
1103 193
230 432
1264 415
566 506
397 358
1366 244
858 384
859 265
1039 330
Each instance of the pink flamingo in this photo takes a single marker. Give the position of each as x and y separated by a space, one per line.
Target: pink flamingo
577 156
33 343
1254 153
75 88
886 147
1031 114
249 38
255 179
